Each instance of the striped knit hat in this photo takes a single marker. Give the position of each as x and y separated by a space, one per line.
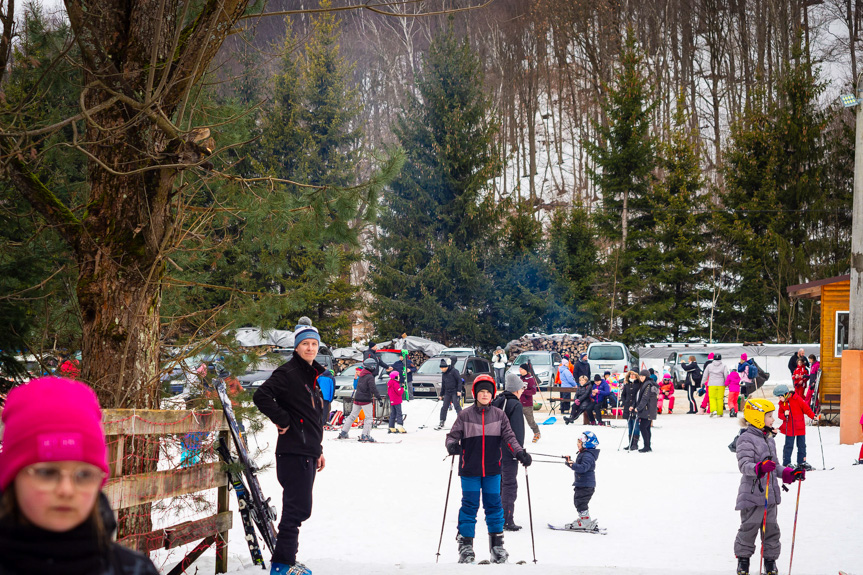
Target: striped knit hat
302 332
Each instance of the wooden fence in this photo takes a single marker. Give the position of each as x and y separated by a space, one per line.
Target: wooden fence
126 491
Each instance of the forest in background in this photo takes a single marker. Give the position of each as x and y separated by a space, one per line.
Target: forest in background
638 171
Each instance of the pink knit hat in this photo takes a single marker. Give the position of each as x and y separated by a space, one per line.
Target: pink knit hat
710 355
743 357
51 419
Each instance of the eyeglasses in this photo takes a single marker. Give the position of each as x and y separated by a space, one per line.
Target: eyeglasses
48 477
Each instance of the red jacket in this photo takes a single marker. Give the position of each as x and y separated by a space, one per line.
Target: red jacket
793 423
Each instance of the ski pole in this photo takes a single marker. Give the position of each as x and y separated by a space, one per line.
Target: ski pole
763 523
530 516
794 533
434 406
821 443
619 443
548 455
445 503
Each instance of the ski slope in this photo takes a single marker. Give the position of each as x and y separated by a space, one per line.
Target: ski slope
378 508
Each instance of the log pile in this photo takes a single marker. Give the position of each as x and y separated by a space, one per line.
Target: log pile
564 344
417 357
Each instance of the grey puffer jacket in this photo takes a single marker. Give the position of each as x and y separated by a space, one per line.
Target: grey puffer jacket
753 447
715 373
645 401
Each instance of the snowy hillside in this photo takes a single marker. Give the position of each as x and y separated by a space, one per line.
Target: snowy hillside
378 508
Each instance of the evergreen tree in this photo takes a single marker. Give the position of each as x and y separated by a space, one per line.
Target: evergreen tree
440 220
572 255
674 301
624 158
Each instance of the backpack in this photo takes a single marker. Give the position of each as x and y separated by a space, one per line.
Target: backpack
696 376
752 370
732 447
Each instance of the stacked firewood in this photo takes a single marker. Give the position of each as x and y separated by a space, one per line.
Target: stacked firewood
417 357
564 344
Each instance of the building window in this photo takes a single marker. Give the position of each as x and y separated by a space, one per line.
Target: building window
841 340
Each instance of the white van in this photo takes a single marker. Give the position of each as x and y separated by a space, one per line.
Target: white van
610 356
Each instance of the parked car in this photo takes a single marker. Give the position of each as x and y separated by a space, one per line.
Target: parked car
427 379
256 375
544 365
610 356
672 365
324 357
345 381
458 351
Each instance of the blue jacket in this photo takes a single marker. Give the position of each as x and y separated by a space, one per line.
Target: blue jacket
566 378
584 466
604 390
327 385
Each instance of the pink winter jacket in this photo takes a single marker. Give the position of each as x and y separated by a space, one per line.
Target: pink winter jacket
395 391
732 382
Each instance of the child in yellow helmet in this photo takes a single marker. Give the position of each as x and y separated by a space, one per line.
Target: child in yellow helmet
758 495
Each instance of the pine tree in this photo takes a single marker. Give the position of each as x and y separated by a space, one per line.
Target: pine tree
624 156
439 221
572 256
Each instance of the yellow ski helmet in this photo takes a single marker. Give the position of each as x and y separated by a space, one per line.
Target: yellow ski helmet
754 410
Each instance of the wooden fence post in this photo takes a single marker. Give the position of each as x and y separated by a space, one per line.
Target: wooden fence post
223 501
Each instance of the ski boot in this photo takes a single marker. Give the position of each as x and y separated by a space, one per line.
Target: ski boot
295 569
392 430
465 549
536 436
806 466
511 526
713 414
495 546
743 566
440 426
401 429
343 435
583 523
367 439
770 567
732 413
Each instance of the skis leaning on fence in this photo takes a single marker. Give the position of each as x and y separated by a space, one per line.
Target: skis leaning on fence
263 514
244 503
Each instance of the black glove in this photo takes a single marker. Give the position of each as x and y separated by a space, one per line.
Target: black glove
524 457
452 448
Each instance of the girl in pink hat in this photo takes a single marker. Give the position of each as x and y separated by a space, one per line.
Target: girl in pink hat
53 515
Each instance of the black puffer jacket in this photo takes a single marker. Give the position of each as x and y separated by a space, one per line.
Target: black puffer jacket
628 398
366 388
450 381
29 550
511 406
291 398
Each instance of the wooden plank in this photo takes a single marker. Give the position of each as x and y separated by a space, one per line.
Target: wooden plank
192 556
161 422
223 503
195 530
144 542
115 464
143 488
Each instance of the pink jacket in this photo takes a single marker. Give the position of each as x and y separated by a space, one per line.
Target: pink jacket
732 382
395 391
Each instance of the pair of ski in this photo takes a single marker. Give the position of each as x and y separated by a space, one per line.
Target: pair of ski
594 531
255 510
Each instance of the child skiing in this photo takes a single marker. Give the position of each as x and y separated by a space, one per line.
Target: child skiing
395 391
758 494
791 411
584 467
363 397
666 391
479 435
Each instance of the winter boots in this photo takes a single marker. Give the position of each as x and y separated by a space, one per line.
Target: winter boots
495 547
440 425
770 567
732 413
295 569
806 466
367 439
401 429
393 430
343 435
465 549
743 566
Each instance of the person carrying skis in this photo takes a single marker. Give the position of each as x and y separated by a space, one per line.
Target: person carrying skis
584 485
627 400
450 389
792 408
509 402
292 399
527 399
645 407
480 435
54 517
395 391
365 393
758 495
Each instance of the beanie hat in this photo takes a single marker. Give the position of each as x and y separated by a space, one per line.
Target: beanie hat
445 362
781 390
597 377
483 383
512 382
51 419
394 374
644 372
743 357
305 332
710 355
370 363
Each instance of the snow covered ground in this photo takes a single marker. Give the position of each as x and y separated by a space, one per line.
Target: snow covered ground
378 508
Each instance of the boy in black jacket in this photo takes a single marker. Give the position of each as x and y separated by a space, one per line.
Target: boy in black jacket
451 387
584 467
510 402
292 399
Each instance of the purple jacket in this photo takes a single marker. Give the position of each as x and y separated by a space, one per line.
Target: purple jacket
529 391
482 433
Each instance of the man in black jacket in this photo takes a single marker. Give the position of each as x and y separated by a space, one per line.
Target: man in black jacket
792 361
292 399
581 367
450 389
510 402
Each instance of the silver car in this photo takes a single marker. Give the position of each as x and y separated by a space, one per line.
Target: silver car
544 365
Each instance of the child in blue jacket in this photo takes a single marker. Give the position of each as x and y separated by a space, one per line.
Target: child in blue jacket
585 480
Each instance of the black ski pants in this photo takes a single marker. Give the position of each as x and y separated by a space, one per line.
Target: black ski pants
582 497
450 398
690 395
644 426
296 474
508 486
